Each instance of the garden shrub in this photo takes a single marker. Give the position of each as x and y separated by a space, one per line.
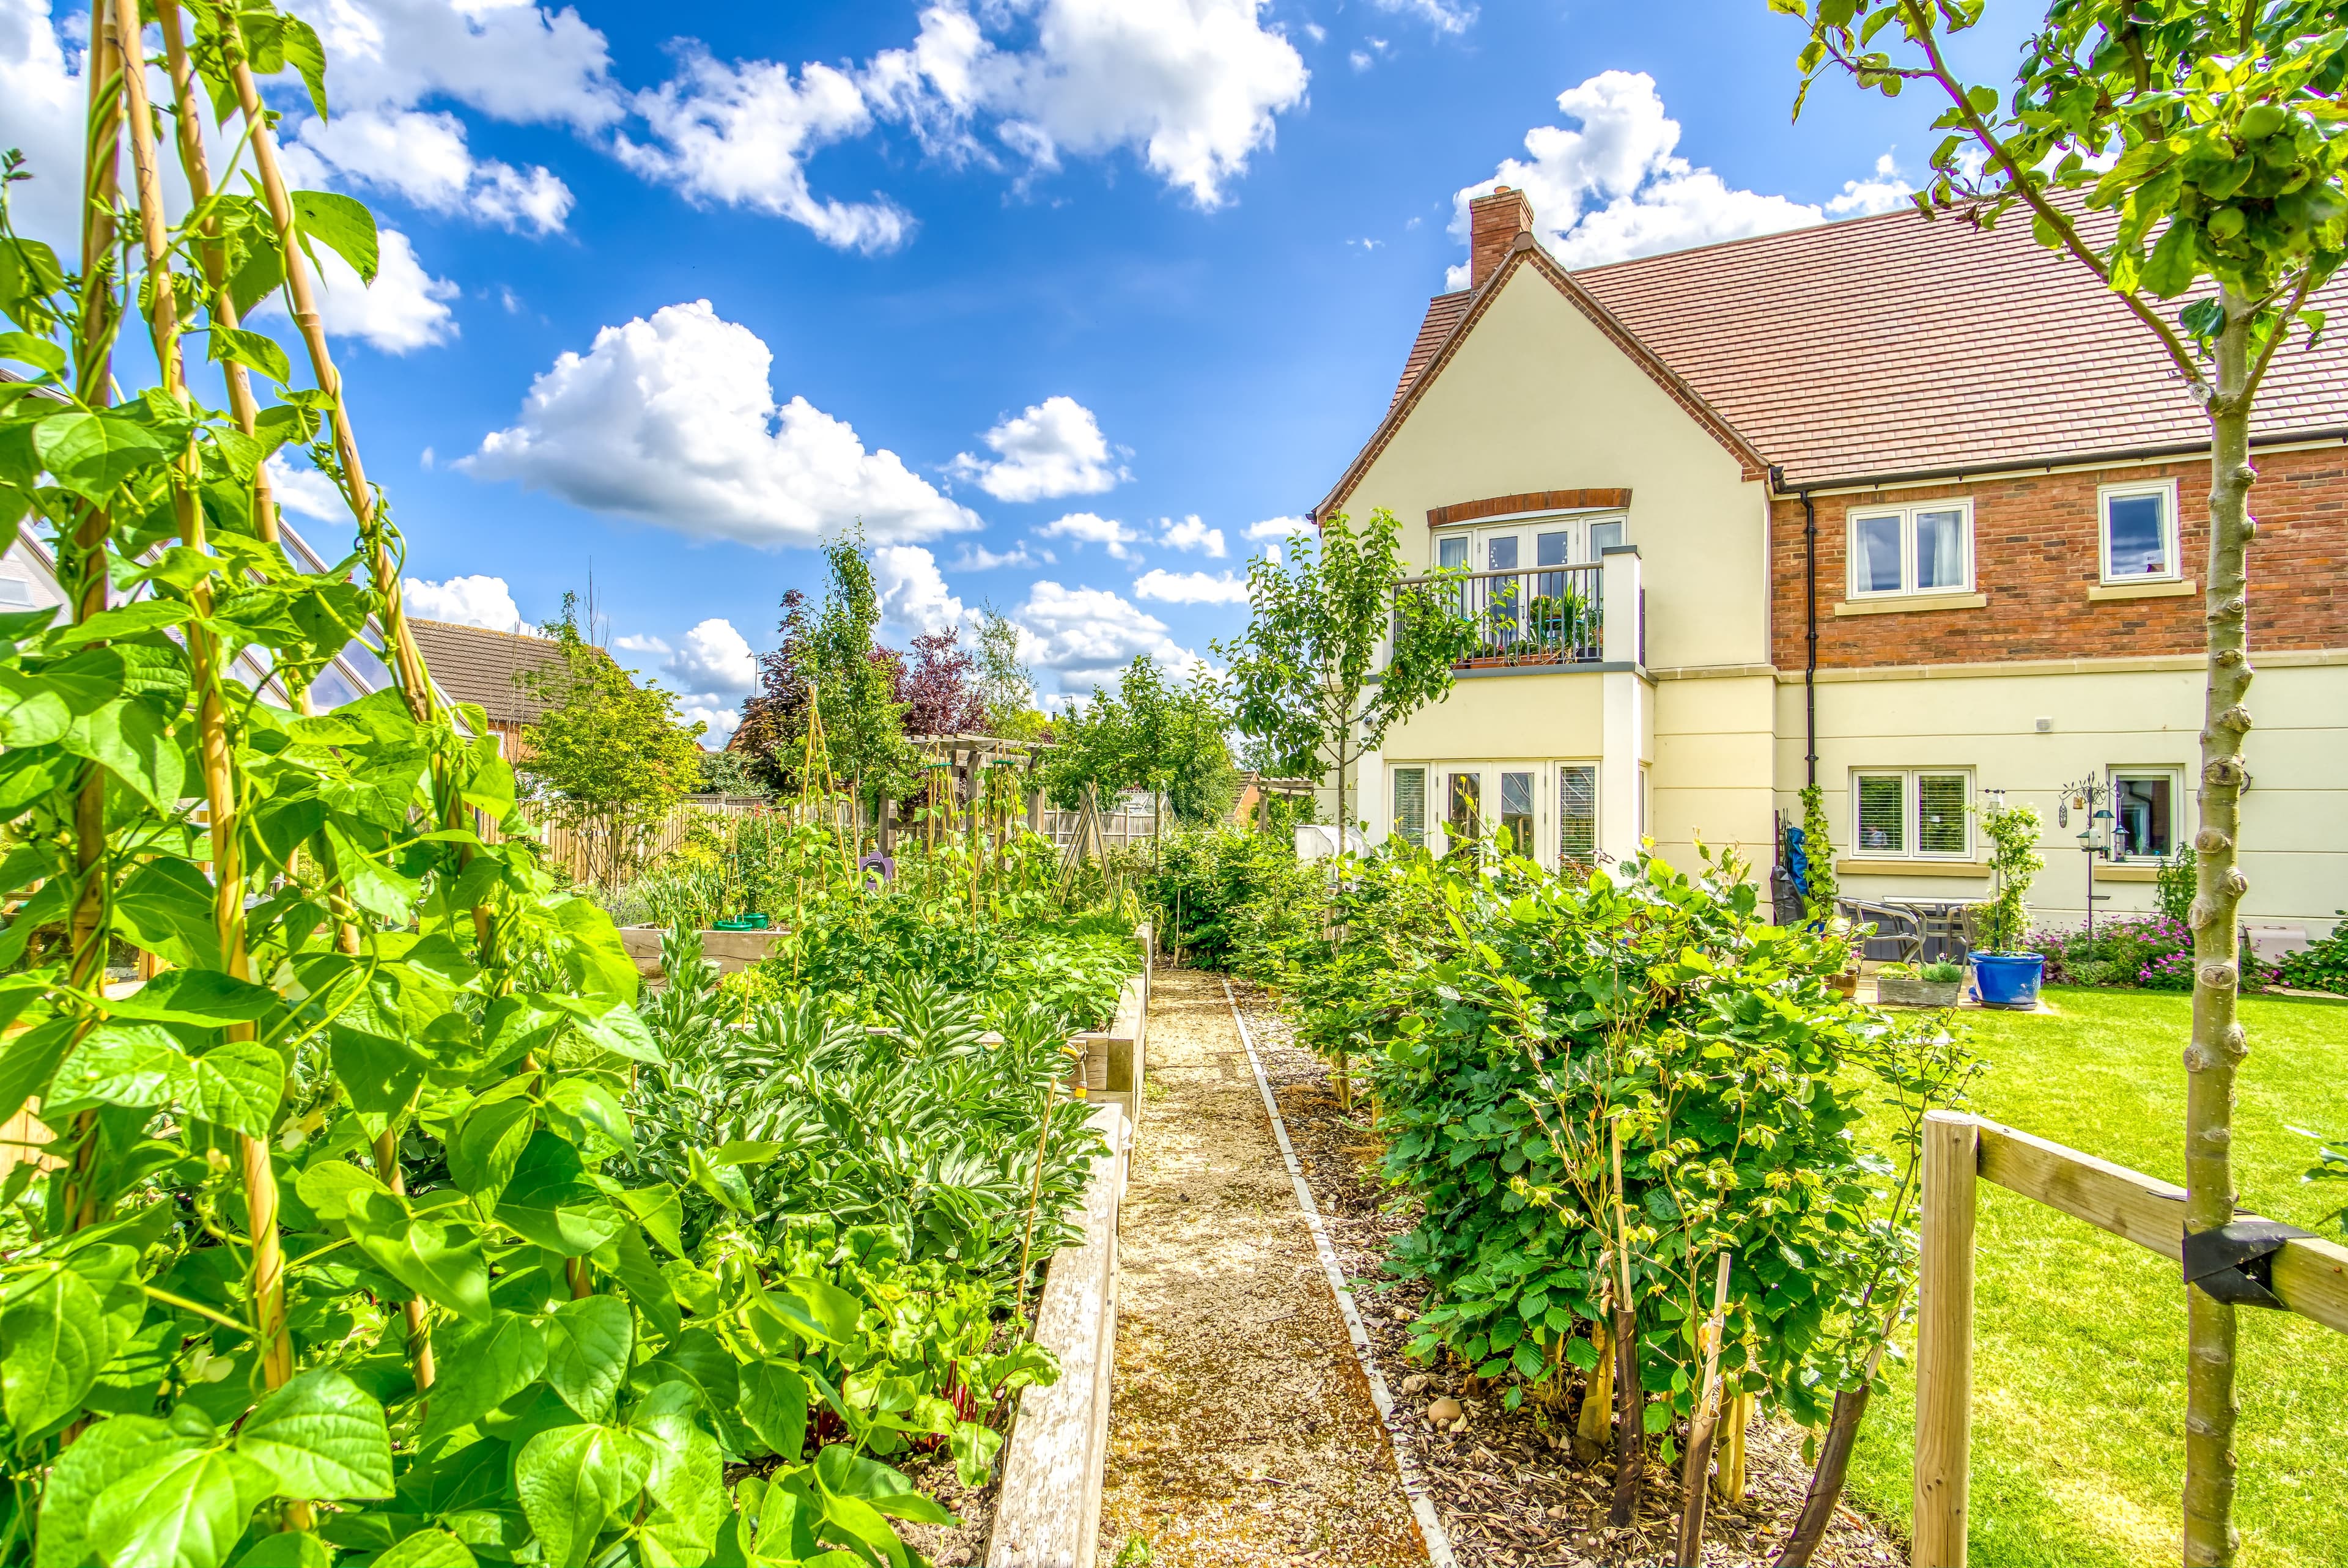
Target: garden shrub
2147 952
2323 967
1231 898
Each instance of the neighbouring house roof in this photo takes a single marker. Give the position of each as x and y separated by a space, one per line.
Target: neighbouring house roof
474 664
1890 345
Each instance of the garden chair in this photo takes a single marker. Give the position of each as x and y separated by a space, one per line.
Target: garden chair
1897 929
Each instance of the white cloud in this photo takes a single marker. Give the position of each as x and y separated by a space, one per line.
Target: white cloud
1092 528
1192 86
913 596
474 600
643 642
1086 634
1190 587
1615 188
674 421
405 309
1443 16
1359 60
423 159
1055 448
741 134
978 558
45 103
1190 534
713 660
719 719
511 59
1886 191
1278 528
305 492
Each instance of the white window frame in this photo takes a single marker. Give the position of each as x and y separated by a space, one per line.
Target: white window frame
2104 495
1906 515
1393 822
2177 826
1555 856
1911 815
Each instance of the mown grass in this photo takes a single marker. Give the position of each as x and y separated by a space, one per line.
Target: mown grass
2080 1336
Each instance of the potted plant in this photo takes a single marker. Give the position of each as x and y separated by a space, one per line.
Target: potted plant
1934 986
2006 973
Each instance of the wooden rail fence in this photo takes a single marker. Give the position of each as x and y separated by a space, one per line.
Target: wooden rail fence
2309 1274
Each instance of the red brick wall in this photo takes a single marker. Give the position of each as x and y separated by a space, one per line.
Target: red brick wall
2036 555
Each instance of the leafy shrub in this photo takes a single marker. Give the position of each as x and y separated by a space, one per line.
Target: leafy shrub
2322 967
1216 895
1944 974
2150 952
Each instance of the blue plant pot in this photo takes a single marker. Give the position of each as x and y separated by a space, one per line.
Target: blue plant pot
2009 979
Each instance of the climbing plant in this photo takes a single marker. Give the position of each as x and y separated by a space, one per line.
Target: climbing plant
312 1245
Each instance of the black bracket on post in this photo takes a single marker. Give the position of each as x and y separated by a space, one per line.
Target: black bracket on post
2235 1263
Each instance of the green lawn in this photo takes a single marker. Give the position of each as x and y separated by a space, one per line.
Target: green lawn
2080 1336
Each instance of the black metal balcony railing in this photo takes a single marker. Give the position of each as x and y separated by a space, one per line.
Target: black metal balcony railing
1543 615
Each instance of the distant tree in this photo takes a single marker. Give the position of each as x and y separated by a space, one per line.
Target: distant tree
731 772
609 757
851 681
1005 685
1148 734
1302 671
777 707
940 687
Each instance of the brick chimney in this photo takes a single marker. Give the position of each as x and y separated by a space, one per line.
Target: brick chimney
1494 222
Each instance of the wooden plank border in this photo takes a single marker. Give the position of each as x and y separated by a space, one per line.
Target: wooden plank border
2309 1275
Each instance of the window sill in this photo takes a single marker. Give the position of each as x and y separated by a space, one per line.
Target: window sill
2167 587
1903 603
1911 867
2121 871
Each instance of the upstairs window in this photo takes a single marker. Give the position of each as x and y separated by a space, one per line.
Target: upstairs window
1924 548
2139 531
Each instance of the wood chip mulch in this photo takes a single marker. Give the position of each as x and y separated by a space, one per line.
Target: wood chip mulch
1508 1489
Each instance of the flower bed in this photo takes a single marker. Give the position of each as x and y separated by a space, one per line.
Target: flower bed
2150 952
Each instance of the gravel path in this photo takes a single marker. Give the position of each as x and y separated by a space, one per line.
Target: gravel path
1241 1433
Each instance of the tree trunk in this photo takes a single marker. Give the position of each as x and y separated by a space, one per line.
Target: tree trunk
1630 1418
2218 1044
1827 1479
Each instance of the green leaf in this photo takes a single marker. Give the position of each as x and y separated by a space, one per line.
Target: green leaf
256 350
2174 266
27 1061
616 1026
238 1085
974 1446
483 1369
571 1481
54 1337
379 1075
830 1307
439 1260
632 1262
488 1144
38 351
196 996
183 1511
127 739
331 1186
341 224
101 1456
288 1549
549 1202
31 711
660 1212
843 1473
299 43
588 1345
775 1403
428 1549
123 621
586 1105
90 454
688 1486
323 1436
119 1064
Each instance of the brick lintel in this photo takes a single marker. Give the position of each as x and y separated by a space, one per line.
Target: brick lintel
1530 501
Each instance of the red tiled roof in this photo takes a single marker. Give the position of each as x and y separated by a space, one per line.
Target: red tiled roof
473 664
1890 345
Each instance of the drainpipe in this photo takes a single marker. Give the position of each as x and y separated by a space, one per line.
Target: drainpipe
1810 653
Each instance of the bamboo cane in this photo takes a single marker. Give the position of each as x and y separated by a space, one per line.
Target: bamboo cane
94 331
407 660
415 1313
267 1277
1629 1405
1706 1421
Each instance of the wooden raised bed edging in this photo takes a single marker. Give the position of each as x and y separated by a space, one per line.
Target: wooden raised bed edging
1047 1511
730 951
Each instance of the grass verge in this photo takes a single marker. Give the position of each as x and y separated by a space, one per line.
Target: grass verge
2080 1336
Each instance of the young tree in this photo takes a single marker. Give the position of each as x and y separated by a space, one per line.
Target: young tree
610 755
1313 641
777 707
2176 153
939 688
1146 734
1005 685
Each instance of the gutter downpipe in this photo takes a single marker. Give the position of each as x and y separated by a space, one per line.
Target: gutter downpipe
1810 629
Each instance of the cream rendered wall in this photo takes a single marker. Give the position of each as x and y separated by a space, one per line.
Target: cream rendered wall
1538 399
2294 819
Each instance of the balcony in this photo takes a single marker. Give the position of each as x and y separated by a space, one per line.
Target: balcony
1536 617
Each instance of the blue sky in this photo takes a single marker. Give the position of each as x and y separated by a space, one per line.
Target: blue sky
1071 301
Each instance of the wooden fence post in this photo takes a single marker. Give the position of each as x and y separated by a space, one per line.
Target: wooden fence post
1944 1339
